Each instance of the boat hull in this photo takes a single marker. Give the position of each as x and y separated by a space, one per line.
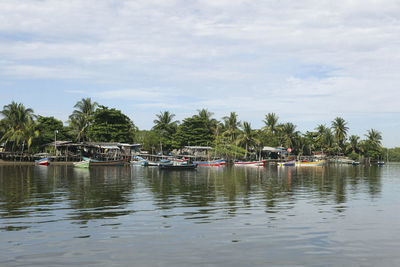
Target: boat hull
309 163
285 164
139 163
107 163
82 164
215 163
42 162
260 163
177 167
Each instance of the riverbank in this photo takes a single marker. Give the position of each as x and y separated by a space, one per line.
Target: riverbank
28 163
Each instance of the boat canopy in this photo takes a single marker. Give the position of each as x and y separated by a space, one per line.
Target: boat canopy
273 149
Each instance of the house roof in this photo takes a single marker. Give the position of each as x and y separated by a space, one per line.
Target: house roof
198 147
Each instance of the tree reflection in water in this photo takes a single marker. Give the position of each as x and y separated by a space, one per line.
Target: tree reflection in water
205 194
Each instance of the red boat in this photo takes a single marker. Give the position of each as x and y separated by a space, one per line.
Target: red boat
43 162
216 163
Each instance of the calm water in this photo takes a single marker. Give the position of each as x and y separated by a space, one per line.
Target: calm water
119 216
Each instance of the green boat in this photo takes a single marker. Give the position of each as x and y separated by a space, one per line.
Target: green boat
82 164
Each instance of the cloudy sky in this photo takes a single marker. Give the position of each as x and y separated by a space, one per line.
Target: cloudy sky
308 61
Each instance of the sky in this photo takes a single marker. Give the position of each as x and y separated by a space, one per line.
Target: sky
307 61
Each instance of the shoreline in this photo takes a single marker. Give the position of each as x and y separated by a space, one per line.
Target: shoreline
32 163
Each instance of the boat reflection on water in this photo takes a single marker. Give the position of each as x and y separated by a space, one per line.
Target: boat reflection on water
135 213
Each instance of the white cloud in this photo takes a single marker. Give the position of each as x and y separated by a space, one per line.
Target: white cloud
131 94
40 72
293 57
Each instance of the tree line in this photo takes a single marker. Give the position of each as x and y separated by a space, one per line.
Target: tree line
23 131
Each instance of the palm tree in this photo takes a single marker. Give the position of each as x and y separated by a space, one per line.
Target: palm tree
289 134
271 123
246 137
353 143
16 118
259 141
329 140
374 137
81 117
30 133
340 129
321 137
164 123
231 126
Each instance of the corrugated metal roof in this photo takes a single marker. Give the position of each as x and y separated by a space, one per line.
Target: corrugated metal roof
198 147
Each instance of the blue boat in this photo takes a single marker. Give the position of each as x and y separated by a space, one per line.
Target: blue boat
287 163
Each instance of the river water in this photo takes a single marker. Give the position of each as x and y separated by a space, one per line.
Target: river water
213 216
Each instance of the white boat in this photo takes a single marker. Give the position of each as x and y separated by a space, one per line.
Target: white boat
259 163
139 161
309 163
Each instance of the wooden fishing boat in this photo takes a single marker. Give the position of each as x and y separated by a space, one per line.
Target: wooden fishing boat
216 163
94 162
82 164
287 163
259 163
152 164
139 161
170 166
107 163
43 162
309 163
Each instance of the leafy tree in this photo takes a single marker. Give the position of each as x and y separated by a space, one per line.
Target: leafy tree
46 127
271 123
81 117
371 147
165 123
320 137
259 141
353 143
288 134
210 122
375 137
111 125
194 131
329 141
166 127
231 126
393 153
308 143
246 137
340 129
150 140
30 133
16 120
223 147
271 129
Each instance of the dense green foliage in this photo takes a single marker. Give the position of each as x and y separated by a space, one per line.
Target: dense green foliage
194 131
82 117
111 125
21 130
166 127
150 140
392 154
50 129
17 126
